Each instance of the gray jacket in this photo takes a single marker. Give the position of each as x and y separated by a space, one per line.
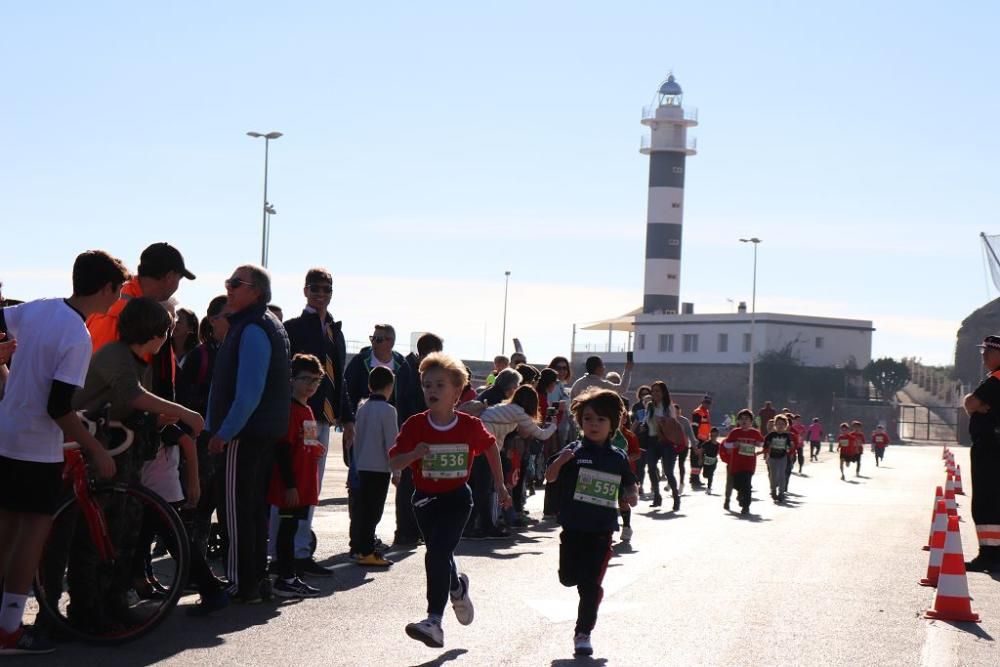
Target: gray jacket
375 431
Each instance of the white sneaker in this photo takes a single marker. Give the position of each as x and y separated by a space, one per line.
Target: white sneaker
627 534
462 603
426 631
581 645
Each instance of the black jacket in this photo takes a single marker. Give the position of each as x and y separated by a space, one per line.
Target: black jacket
307 336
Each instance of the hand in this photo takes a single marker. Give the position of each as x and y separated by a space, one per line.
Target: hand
6 348
102 463
291 497
193 493
348 435
422 450
632 499
395 479
194 421
164 420
216 445
505 500
565 456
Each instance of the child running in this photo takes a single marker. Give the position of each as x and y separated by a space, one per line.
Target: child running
880 440
814 434
858 433
777 448
591 472
845 445
710 454
439 446
743 459
627 443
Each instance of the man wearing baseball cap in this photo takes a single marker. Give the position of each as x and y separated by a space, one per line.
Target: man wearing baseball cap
983 406
161 267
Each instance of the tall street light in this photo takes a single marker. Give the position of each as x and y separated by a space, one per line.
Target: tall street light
503 335
263 222
269 210
753 314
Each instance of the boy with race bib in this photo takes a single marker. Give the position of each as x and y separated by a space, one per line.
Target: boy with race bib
439 446
591 472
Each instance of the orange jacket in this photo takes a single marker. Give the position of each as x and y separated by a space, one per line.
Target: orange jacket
104 326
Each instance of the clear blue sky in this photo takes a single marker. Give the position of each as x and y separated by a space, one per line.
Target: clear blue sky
430 146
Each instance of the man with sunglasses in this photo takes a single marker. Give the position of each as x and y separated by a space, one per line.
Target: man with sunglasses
315 332
248 411
379 353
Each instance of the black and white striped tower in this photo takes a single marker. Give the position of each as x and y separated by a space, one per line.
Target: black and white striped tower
667 147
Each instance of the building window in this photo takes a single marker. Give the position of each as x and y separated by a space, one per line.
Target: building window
678 170
819 342
723 342
640 341
747 340
690 343
675 204
666 342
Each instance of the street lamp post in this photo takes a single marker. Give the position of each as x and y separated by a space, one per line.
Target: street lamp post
503 335
753 314
264 213
270 210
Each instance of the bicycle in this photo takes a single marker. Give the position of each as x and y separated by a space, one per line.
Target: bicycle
84 546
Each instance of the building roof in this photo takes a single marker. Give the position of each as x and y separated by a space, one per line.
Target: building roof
671 87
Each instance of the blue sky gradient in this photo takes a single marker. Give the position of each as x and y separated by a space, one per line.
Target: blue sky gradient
429 148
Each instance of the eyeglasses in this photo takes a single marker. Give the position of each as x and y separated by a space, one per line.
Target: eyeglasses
320 289
234 283
381 339
309 379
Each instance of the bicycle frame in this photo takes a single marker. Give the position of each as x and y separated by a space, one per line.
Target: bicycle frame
75 472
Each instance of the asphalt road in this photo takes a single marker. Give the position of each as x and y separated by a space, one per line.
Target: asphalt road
829 579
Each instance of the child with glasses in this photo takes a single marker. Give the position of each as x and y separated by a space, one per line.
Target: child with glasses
295 478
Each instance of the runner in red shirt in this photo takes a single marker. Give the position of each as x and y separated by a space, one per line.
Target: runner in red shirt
439 446
845 445
799 429
880 440
858 433
743 457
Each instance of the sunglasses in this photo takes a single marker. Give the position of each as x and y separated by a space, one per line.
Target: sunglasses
234 283
381 339
310 379
320 289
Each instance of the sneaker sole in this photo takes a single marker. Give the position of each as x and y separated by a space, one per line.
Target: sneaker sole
427 640
472 610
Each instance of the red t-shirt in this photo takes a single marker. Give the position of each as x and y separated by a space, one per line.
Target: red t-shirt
880 439
456 445
633 447
845 443
307 450
743 456
859 442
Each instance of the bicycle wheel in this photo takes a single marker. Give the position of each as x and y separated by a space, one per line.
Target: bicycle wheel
89 598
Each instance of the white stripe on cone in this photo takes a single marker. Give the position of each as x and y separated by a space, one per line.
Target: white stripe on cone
958 481
938 495
937 552
952 600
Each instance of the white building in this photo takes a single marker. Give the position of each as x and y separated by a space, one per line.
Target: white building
725 338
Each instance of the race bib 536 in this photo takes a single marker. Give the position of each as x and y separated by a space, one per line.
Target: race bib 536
446 462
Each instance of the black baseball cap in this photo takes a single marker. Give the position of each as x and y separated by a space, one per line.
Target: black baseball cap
160 258
992 342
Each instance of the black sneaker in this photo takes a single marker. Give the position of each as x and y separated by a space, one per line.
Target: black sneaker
24 641
310 568
497 533
405 541
210 603
296 588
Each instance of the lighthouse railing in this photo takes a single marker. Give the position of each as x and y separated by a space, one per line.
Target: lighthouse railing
649 113
646 143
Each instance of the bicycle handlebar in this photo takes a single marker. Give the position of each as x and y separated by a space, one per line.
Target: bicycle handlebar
92 428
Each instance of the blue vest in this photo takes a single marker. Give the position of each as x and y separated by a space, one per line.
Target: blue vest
270 419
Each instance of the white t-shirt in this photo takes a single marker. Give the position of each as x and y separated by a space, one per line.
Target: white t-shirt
162 474
52 344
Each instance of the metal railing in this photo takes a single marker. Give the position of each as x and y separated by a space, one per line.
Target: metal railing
649 113
646 143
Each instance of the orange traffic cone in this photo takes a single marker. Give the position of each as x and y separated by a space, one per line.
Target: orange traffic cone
958 481
944 452
938 535
949 463
949 497
938 497
952 600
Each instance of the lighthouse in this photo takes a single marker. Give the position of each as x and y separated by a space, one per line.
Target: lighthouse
667 147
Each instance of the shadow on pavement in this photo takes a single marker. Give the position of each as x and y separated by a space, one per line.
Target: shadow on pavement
445 657
332 501
486 549
661 515
581 660
752 518
972 628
